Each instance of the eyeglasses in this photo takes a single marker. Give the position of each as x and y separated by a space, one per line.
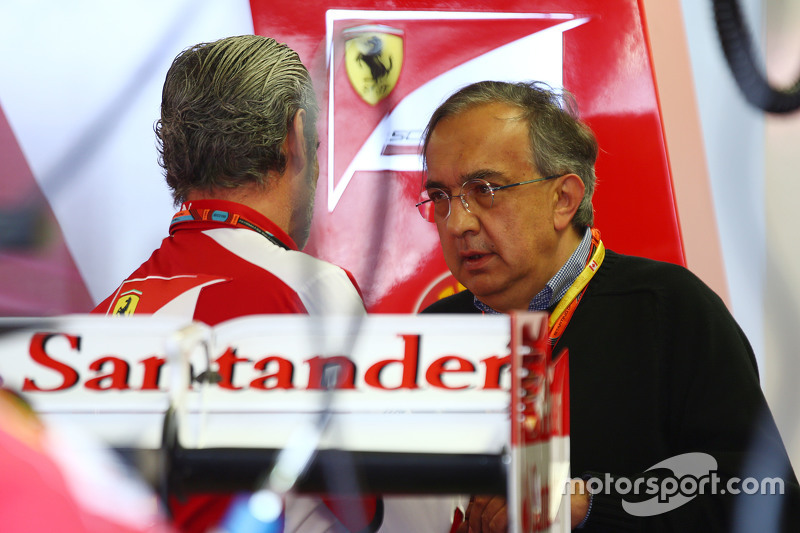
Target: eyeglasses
476 194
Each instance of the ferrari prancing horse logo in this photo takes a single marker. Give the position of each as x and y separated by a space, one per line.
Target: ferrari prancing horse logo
373 59
127 302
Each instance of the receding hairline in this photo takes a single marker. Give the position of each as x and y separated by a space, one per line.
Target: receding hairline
461 108
522 114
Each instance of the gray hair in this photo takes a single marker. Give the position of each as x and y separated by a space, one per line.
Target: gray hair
560 142
226 110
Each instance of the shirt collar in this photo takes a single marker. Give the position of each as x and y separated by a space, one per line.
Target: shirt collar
216 212
558 285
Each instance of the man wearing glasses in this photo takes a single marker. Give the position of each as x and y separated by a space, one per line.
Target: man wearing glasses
658 367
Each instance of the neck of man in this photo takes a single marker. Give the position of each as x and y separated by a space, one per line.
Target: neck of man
566 247
270 199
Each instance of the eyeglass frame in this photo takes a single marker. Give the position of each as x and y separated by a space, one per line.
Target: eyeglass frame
492 190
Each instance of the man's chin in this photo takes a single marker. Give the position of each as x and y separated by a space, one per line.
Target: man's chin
494 295
481 291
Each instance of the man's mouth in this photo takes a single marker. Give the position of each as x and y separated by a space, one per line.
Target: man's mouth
474 259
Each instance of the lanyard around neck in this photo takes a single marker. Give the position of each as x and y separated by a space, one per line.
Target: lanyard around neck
222 217
563 312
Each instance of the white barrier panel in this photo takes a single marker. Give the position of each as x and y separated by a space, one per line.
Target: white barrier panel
399 374
403 383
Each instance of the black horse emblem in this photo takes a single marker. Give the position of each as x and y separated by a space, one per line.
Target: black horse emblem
124 309
372 59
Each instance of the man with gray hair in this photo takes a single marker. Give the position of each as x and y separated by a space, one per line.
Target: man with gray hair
663 383
238 142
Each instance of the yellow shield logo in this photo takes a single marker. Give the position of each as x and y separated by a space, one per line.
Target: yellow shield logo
126 304
373 59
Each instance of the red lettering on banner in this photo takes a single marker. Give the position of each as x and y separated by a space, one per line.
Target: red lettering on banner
118 376
274 372
152 372
494 368
227 364
439 367
69 377
345 378
409 362
283 376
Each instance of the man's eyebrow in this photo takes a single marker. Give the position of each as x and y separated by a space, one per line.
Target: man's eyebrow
433 184
483 174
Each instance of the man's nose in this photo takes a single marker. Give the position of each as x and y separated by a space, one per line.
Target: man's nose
461 220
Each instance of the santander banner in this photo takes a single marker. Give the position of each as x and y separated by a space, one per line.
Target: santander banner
390 383
251 381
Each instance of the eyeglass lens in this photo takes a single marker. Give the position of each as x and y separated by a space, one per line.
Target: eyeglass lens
474 194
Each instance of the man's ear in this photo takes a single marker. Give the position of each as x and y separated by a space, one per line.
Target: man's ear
569 196
297 155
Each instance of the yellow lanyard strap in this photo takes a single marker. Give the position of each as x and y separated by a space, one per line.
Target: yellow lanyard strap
560 317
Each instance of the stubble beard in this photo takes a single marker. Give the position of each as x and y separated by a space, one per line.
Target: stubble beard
307 210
